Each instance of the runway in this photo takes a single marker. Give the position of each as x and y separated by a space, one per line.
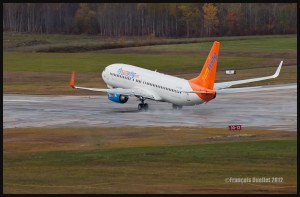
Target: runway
274 108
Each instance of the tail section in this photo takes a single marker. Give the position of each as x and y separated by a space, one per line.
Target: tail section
203 85
206 78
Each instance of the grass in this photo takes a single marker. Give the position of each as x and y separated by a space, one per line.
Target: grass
95 62
77 43
145 160
264 44
23 70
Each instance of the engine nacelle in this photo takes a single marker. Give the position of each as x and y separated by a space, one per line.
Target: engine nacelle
118 98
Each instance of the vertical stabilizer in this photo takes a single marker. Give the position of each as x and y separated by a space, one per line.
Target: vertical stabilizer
207 76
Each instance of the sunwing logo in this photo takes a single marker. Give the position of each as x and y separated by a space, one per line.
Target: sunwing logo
211 63
127 73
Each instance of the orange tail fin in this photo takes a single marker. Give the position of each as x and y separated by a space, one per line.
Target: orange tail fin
207 76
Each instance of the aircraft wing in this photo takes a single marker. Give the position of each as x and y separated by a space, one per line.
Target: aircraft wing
127 92
222 87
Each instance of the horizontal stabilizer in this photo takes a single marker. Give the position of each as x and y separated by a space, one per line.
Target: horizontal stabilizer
223 85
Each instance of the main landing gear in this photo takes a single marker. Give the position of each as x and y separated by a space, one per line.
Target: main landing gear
143 106
176 107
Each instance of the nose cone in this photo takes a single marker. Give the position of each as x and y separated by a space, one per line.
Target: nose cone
104 75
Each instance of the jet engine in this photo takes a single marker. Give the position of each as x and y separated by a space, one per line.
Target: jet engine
118 98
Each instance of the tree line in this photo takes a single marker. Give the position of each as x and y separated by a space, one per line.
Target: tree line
151 19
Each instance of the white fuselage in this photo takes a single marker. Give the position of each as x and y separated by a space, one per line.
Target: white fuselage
163 87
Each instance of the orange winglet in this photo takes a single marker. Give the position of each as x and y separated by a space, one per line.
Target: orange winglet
72 82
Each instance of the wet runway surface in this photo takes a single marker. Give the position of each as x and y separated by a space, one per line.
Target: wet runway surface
272 109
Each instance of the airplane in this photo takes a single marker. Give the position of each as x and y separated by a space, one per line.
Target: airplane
124 81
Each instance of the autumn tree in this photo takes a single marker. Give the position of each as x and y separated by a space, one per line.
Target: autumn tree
211 20
191 16
151 19
85 20
232 18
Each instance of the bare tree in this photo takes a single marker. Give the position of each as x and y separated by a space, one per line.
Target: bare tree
150 19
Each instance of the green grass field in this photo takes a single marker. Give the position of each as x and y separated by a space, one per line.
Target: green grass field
96 62
23 69
146 160
59 42
264 44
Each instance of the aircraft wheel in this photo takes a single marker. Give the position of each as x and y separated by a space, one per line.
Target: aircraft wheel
140 107
177 107
143 107
146 106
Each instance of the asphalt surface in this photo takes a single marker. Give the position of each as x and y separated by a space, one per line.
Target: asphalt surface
274 108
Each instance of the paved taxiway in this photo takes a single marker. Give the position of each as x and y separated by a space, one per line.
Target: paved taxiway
274 109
